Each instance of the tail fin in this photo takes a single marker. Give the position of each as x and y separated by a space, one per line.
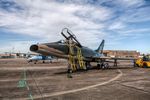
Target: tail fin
101 46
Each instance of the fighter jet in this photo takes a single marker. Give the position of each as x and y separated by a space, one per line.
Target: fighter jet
70 48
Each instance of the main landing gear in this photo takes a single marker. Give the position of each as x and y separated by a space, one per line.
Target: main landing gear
103 65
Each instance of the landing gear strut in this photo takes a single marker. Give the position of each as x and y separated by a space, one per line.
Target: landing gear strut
103 65
87 65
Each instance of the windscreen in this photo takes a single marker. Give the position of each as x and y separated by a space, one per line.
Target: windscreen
146 58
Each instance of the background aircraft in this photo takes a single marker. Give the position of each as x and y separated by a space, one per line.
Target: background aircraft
42 58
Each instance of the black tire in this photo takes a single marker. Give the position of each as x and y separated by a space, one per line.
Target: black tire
99 66
106 65
145 65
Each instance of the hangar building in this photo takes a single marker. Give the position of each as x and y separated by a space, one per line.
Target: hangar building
121 53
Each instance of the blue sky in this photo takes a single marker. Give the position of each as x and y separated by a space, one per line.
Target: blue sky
124 24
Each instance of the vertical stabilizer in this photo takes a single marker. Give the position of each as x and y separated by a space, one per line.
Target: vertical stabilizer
100 48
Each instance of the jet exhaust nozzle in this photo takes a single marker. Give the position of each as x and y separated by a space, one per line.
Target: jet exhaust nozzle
34 48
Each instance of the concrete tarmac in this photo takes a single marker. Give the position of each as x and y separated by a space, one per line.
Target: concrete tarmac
49 82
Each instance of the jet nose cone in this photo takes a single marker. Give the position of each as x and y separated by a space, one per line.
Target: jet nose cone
34 48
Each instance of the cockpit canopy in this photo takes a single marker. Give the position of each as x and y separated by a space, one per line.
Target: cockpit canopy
61 41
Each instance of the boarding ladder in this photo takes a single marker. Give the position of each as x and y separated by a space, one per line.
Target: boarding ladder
71 55
80 58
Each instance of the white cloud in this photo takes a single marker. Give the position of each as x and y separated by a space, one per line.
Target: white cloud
136 15
46 18
133 31
130 3
117 25
50 18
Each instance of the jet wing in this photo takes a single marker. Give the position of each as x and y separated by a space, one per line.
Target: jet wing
104 58
119 58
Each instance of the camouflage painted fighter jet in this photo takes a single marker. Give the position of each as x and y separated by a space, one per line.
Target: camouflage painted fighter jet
61 49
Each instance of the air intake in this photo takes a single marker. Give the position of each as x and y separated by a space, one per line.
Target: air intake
33 48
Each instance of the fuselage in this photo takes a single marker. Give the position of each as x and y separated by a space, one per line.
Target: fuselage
61 50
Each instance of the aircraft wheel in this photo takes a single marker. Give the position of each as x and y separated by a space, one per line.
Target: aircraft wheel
87 65
50 61
99 66
145 65
104 65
